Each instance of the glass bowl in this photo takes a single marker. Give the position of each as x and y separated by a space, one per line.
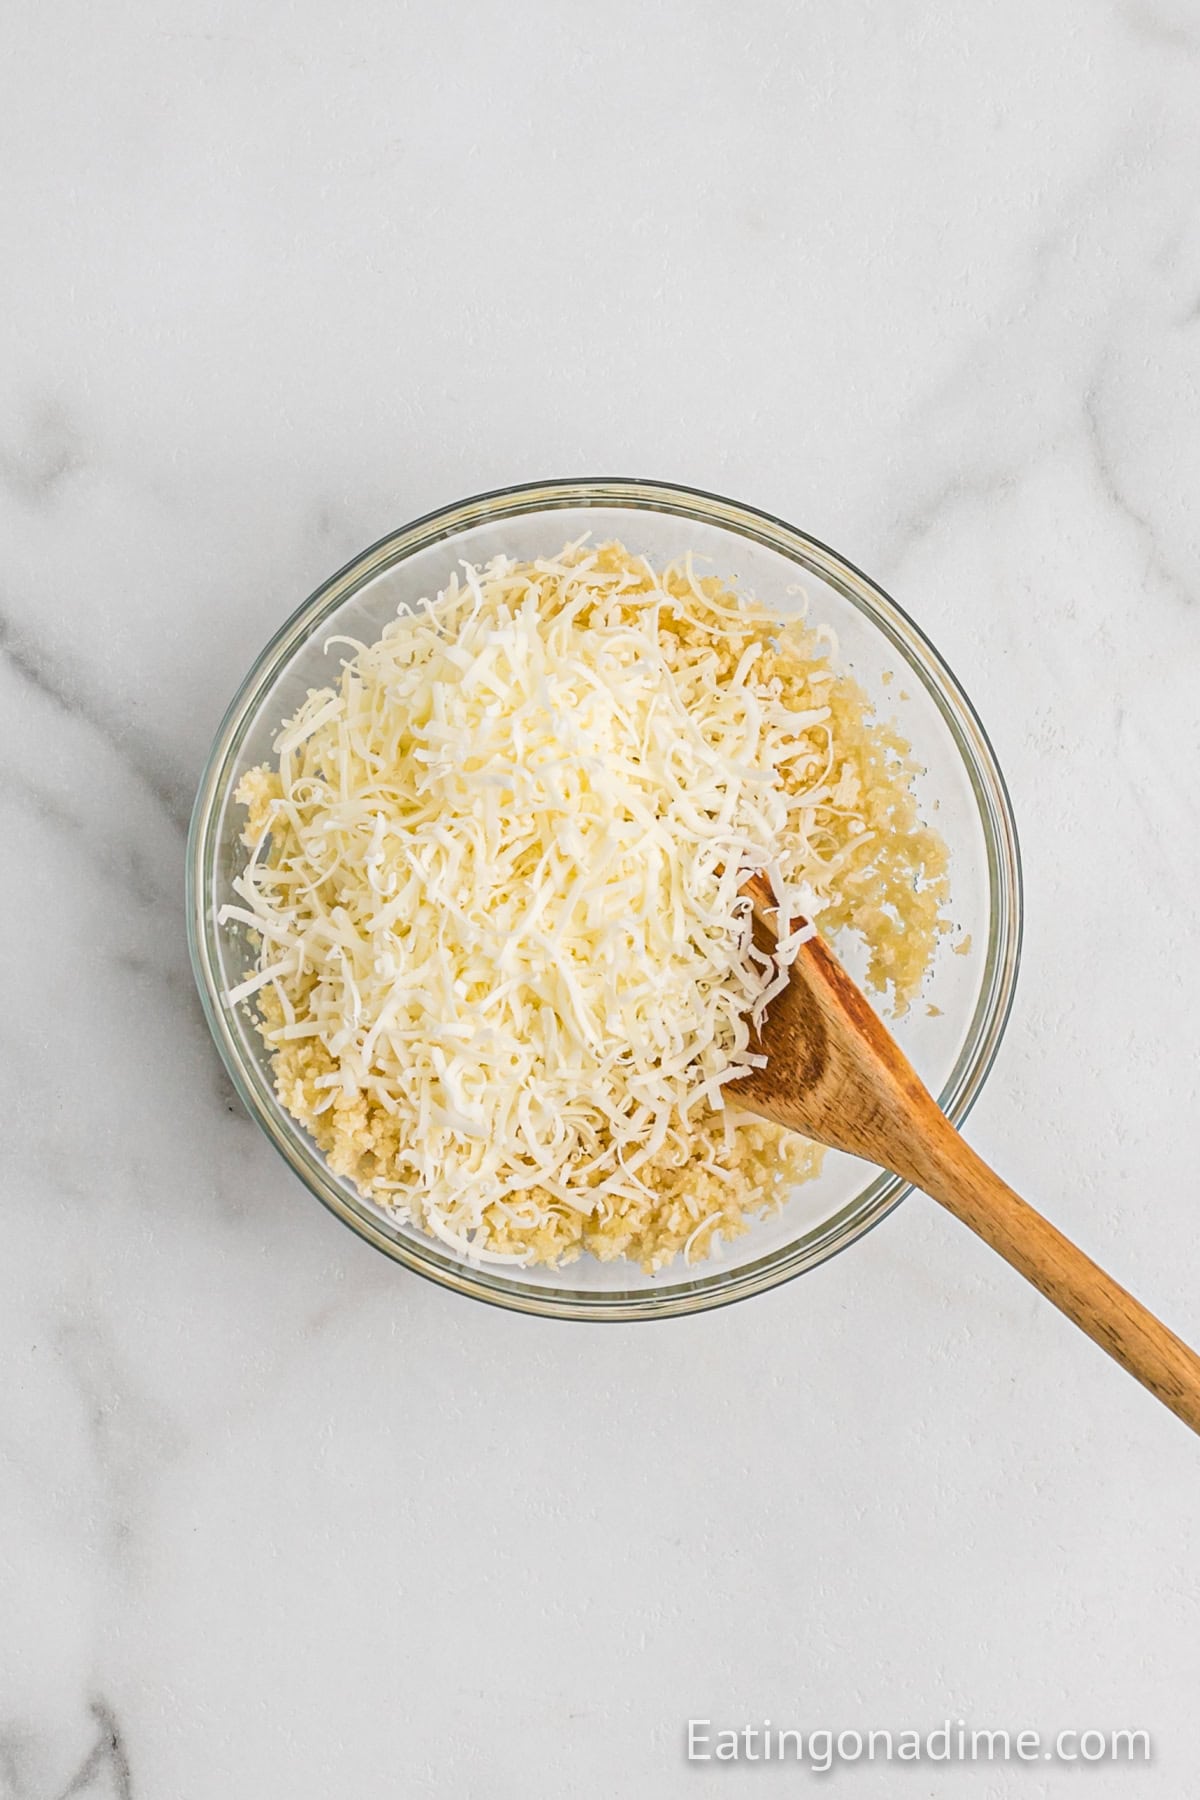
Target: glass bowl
961 790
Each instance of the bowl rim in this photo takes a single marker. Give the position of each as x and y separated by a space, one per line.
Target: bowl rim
879 1196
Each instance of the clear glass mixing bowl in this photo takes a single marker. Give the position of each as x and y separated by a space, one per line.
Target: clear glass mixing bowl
962 791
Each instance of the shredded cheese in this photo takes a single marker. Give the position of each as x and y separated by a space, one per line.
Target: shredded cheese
505 967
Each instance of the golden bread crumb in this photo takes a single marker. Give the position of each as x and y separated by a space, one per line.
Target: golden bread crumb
885 884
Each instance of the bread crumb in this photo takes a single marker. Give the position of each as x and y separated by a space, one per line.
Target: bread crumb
886 885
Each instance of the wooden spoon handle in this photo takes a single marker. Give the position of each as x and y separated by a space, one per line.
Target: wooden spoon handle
946 1168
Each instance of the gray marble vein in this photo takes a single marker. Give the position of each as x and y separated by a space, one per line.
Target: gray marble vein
52 451
1156 562
17 1752
1177 35
131 1436
105 1772
71 692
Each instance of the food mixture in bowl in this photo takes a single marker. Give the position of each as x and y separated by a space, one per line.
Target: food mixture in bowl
503 964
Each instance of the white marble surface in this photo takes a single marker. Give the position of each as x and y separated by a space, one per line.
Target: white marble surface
276 1518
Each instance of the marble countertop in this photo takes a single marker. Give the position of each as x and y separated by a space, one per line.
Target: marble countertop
275 1517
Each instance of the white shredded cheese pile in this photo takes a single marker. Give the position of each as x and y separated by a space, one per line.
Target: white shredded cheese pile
496 879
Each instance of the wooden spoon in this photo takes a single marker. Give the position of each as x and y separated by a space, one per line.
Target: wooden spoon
834 1073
